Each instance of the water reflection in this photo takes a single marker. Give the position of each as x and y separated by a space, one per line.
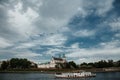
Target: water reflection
41 76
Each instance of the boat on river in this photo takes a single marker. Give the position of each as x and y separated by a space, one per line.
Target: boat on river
80 74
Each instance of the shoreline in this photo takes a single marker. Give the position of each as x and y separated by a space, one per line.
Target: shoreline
113 69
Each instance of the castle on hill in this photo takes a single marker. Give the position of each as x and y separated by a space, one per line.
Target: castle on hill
55 61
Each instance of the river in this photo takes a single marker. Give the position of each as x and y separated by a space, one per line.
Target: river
44 76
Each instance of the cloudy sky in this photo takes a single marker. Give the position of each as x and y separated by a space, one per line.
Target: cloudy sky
83 30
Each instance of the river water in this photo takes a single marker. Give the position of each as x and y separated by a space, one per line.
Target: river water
44 76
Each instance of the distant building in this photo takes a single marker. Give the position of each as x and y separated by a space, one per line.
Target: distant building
53 63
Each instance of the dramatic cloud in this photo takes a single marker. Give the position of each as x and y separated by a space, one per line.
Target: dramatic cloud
103 51
84 30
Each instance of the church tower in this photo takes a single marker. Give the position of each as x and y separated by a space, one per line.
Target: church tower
64 57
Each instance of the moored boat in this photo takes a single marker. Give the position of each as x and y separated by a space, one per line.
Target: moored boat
80 74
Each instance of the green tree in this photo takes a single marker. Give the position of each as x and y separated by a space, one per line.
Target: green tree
73 64
67 65
118 63
102 64
83 65
16 63
4 65
110 63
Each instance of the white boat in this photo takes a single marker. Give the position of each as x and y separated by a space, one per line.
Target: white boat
80 74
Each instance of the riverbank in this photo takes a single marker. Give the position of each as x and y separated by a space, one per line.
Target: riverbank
112 69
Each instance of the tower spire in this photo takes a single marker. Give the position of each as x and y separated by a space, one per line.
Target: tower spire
64 56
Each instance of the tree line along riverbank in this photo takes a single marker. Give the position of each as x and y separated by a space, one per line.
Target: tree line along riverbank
24 65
